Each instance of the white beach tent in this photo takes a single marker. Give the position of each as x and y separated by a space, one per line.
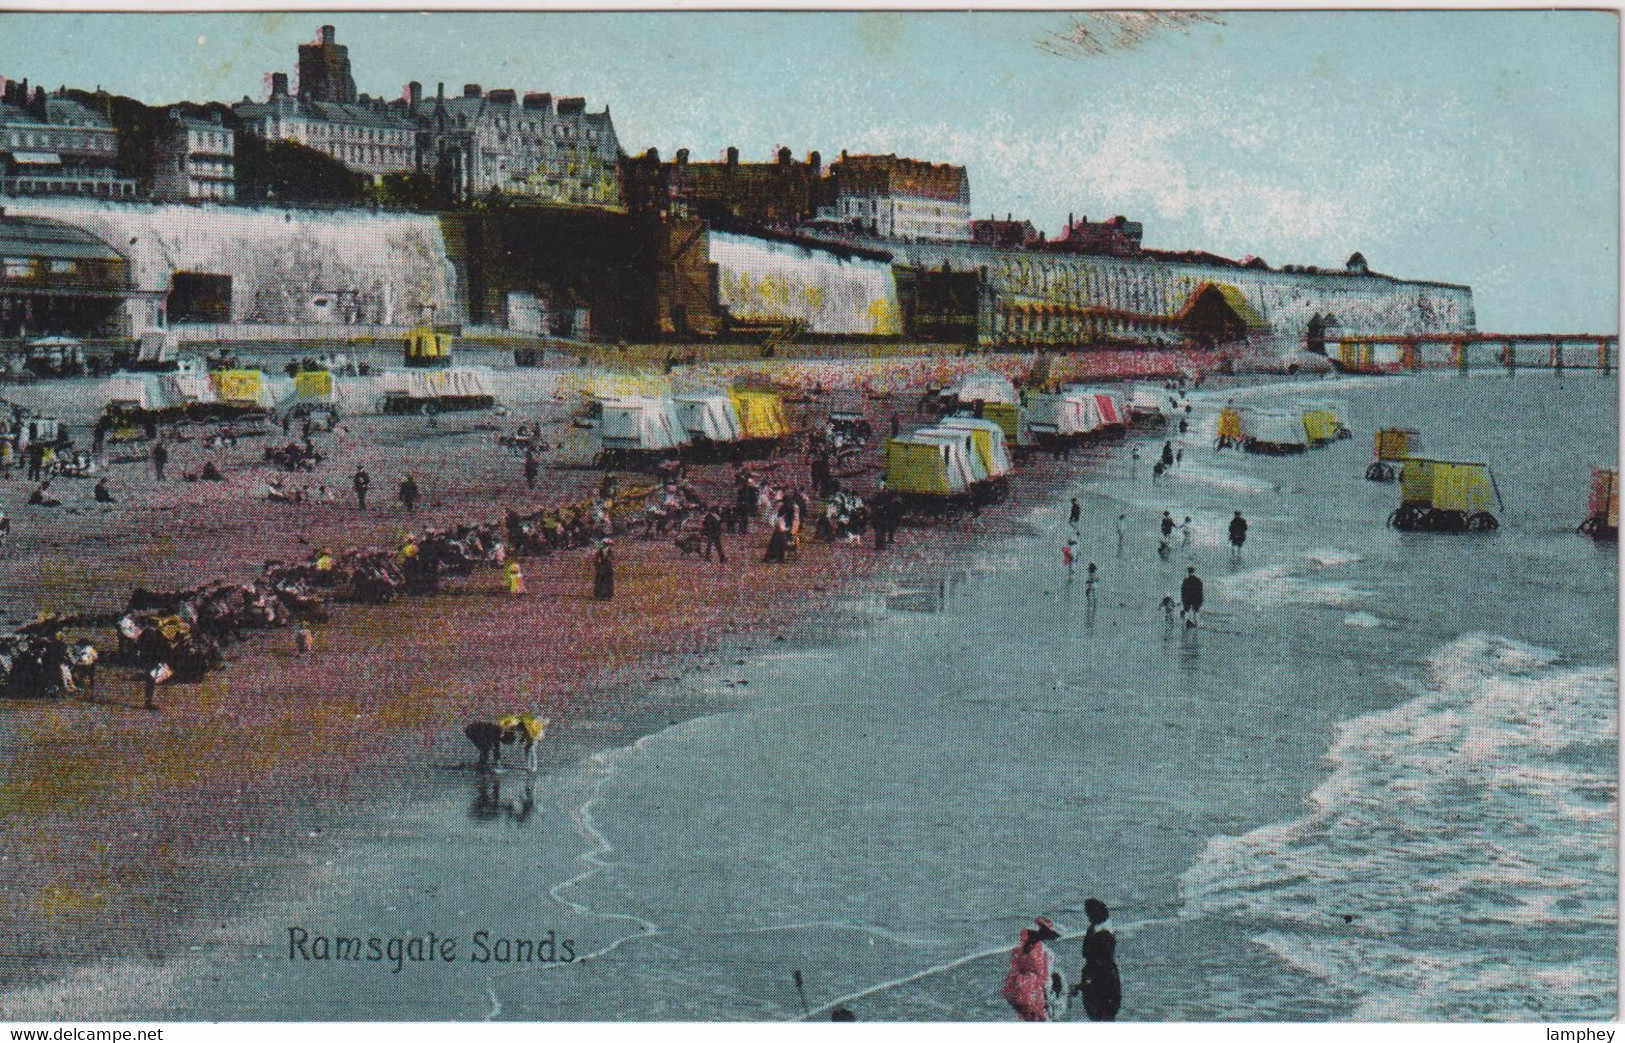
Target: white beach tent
708 416
132 391
983 386
1275 429
1067 414
963 456
1109 408
1146 400
640 422
989 440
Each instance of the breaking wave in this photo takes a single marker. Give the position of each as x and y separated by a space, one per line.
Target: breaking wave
1460 861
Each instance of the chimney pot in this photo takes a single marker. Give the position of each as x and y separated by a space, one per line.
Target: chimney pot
784 155
328 35
279 84
682 157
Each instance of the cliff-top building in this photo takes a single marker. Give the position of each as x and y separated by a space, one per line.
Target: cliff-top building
895 198
366 135
533 147
193 161
778 195
50 145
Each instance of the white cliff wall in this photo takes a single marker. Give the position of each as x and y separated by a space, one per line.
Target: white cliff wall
288 267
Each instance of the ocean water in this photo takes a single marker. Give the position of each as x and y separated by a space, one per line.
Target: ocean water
1379 782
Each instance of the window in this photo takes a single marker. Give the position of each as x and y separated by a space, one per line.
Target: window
16 267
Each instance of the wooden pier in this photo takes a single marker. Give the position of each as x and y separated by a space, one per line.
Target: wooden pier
1400 353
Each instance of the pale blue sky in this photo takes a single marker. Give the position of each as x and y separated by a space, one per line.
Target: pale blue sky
1474 147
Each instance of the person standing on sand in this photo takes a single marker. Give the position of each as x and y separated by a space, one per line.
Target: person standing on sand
514 577
1120 519
1186 532
409 492
1090 583
1075 517
160 456
1167 525
711 535
1167 455
603 571
1066 557
361 483
1134 464
532 468
1190 597
1238 535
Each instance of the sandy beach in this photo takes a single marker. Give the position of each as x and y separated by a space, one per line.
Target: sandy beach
129 831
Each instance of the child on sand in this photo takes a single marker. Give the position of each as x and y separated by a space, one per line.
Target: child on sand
1066 556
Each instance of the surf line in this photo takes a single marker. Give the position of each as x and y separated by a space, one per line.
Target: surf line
960 961
587 826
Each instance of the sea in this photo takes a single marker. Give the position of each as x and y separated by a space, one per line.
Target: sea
1378 782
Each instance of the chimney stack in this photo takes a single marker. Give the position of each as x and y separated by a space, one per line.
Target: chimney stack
471 90
682 157
815 161
414 95
279 84
733 156
328 36
784 156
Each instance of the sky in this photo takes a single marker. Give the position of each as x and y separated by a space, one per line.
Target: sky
1467 147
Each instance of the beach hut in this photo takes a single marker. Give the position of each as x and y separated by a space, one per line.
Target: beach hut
982 386
240 387
131 392
1445 496
638 429
1108 409
1061 417
1322 424
1230 428
427 348
989 439
1273 431
708 418
927 472
1012 420
762 417
431 391
1145 401
964 457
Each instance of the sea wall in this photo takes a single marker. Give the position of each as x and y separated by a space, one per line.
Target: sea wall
769 282
1362 303
286 266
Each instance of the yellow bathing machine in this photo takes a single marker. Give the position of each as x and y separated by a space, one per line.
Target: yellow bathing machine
1445 496
936 472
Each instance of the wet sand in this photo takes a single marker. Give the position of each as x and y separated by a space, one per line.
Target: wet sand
131 833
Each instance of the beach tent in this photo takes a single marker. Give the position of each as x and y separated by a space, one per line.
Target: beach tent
983 386
1106 408
1145 400
1274 431
964 456
240 387
448 388
189 388
640 423
1447 485
761 413
313 385
1012 420
988 437
708 416
132 391
921 467
1066 414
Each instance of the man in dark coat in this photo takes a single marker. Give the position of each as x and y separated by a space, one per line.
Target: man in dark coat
1190 598
361 482
711 536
